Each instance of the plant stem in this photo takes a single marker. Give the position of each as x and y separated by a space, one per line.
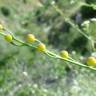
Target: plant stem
71 61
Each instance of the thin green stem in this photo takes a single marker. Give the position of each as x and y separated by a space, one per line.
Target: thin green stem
71 61
24 43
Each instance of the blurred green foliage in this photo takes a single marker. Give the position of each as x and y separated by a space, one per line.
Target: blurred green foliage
25 72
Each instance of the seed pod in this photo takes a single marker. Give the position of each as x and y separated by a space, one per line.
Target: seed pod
8 38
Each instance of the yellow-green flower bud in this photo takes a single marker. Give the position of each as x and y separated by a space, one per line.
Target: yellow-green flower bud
8 38
91 61
41 47
30 38
64 54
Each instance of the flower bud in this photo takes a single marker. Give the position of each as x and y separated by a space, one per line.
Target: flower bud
8 38
91 61
41 47
30 38
64 54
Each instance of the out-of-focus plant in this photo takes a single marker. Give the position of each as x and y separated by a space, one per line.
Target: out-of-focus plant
92 25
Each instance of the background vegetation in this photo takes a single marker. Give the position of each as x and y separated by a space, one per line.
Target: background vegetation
25 72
